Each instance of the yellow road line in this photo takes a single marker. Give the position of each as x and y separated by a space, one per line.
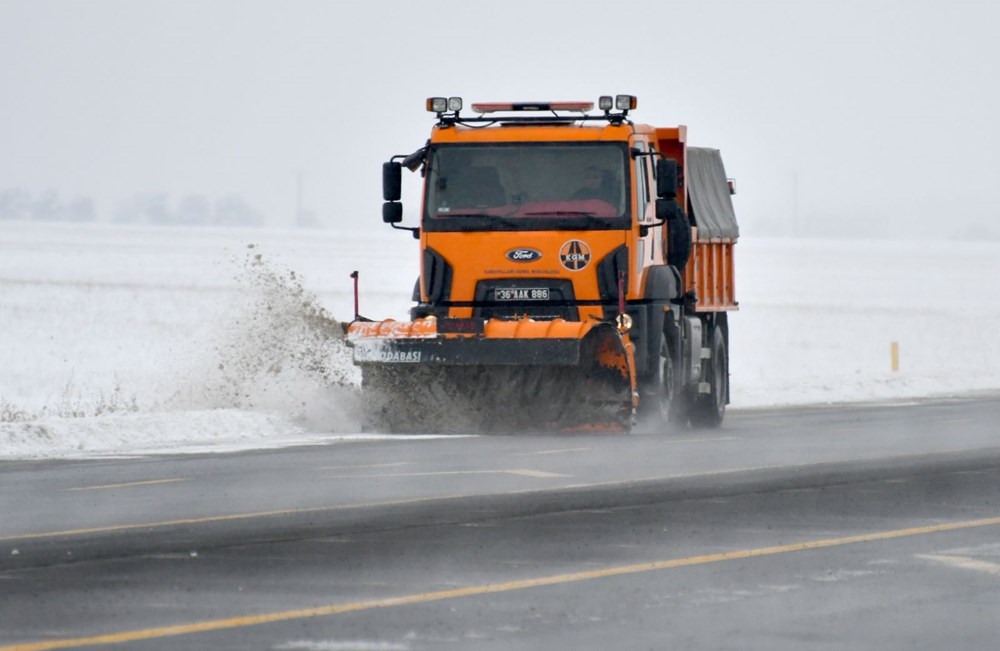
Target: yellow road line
490 588
149 482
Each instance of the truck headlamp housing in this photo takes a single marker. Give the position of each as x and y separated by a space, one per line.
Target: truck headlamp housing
605 102
455 104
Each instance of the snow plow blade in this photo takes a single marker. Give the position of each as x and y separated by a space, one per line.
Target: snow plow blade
476 375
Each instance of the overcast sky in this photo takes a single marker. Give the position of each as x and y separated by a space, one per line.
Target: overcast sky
838 115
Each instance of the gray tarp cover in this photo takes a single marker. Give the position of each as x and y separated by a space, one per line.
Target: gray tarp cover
711 203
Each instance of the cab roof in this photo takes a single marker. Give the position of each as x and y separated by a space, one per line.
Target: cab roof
541 132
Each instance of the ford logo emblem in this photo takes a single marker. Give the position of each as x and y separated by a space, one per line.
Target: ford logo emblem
523 255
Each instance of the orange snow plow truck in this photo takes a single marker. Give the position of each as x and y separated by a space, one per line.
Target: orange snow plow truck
576 274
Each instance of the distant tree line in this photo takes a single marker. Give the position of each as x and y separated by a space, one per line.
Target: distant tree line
150 208
190 210
20 205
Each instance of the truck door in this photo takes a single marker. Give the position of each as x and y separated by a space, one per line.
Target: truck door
647 249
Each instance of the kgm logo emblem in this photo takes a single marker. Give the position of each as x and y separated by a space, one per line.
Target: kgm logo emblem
523 255
574 255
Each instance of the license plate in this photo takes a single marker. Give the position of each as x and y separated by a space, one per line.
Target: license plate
521 294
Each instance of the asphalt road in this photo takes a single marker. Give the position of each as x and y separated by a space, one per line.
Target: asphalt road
861 527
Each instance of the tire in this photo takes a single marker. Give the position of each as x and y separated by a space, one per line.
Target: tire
659 406
709 409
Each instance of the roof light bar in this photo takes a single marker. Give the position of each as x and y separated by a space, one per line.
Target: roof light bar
448 110
581 107
494 107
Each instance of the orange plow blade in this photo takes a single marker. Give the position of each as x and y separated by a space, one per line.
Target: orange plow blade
475 375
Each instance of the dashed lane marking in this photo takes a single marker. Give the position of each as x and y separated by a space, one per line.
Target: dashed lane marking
541 474
374 465
331 508
964 562
445 473
702 440
541 452
485 589
229 517
129 484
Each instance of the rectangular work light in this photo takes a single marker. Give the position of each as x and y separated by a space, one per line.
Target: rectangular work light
625 102
437 104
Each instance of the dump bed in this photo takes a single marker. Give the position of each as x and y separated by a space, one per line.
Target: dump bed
710 208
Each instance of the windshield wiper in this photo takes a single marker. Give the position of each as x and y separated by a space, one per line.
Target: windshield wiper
493 219
588 218
561 213
449 215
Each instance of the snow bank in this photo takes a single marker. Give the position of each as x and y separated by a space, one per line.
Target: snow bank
817 320
142 433
119 340
126 340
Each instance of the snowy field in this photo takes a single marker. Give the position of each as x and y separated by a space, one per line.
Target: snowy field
118 340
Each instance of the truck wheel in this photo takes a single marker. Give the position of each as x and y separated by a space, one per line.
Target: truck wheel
659 406
709 409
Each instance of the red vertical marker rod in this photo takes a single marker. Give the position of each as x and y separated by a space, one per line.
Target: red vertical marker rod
357 313
621 292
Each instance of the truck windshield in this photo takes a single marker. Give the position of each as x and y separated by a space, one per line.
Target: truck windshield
527 186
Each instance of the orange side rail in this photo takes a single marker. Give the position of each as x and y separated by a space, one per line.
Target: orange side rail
710 274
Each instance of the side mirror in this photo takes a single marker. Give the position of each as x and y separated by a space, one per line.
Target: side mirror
667 209
678 232
392 212
392 182
666 178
